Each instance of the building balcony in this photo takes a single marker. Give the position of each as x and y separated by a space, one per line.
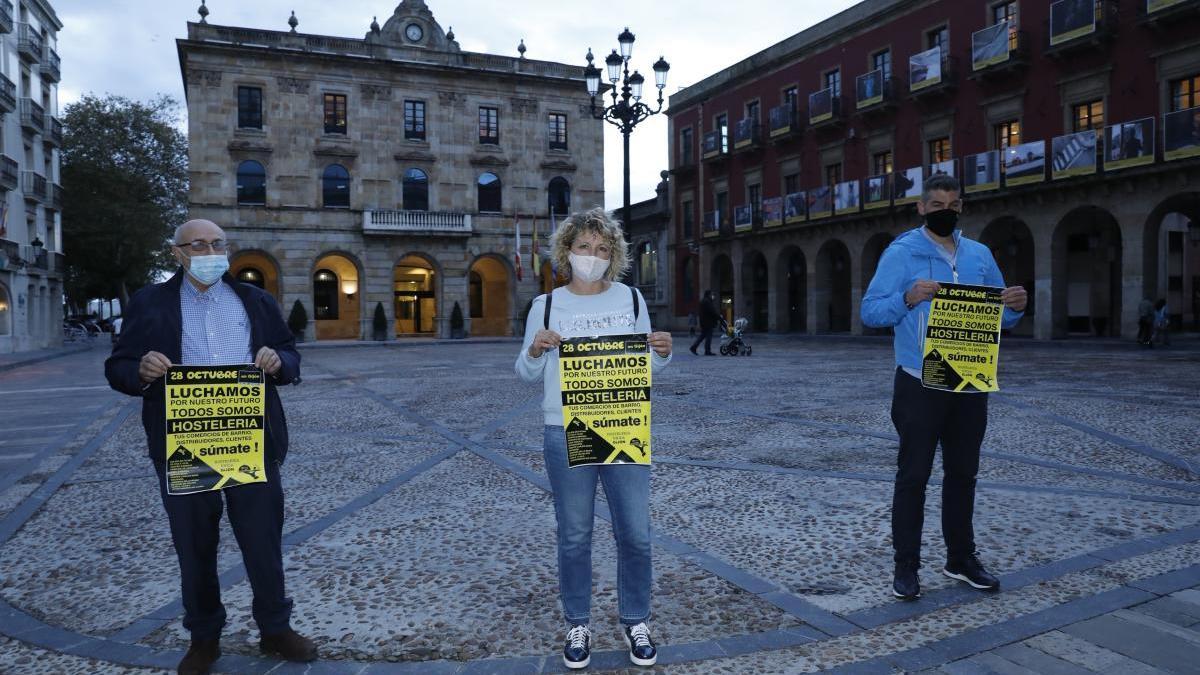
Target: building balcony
10 173
51 66
825 114
8 93
711 225
746 135
54 196
925 85
715 146
6 17
1064 36
879 96
33 117
52 135
783 122
34 184
1016 59
29 43
416 223
1164 15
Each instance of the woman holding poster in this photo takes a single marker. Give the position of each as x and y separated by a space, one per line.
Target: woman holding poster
592 246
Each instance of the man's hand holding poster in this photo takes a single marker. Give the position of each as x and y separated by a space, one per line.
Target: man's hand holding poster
606 399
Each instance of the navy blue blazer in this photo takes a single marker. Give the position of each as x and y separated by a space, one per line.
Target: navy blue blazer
154 322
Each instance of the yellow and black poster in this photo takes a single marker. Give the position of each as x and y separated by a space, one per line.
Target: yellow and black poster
962 339
215 427
606 399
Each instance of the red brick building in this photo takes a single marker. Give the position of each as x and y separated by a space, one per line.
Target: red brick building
775 159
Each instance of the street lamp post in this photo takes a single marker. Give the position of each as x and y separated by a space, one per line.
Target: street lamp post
627 109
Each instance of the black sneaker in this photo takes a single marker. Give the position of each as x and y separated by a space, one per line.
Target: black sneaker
577 653
641 648
905 584
970 570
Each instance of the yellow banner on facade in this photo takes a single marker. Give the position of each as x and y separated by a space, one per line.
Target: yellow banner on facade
605 384
962 339
215 427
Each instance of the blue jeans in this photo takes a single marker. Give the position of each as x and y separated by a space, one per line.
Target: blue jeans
627 489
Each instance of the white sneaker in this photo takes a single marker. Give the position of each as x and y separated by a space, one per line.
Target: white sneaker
577 652
642 651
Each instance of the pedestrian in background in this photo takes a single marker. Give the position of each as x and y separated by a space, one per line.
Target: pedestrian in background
709 317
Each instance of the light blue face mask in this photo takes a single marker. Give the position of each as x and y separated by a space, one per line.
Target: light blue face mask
207 269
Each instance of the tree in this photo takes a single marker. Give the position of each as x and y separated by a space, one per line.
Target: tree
124 175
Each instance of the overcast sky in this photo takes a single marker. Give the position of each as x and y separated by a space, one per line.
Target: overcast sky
127 47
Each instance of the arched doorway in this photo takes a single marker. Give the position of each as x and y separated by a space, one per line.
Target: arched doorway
722 286
489 297
1086 274
1171 265
833 288
872 252
791 284
336 298
256 268
414 287
754 275
1011 244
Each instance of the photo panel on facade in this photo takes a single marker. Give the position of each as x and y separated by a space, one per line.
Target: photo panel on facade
870 88
820 202
907 186
782 119
1025 163
1070 19
1181 134
846 197
743 218
820 106
1073 154
711 146
772 211
981 171
925 69
1129 144
878 195
743 133
795 207
1153 6
989 46
946 168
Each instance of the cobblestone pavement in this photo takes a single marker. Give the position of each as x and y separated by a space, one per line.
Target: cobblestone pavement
420 530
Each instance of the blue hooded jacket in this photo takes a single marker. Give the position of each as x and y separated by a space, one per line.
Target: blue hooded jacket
912 257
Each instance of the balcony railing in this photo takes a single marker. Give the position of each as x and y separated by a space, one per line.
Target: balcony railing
783 120
711 225
746 134
29 43
8 94
33 117
54 197
876 96
1064 36
416 222
714 145
6 16
53 132
923 84
51 66
33 184
1016 57
10 173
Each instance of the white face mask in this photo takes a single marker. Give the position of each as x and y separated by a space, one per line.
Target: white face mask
588 268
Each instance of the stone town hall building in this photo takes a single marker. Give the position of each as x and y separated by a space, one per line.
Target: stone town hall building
384 170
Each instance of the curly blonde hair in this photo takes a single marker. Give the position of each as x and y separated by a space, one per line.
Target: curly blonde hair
596 221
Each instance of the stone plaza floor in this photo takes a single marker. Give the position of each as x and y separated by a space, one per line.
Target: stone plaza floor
420 529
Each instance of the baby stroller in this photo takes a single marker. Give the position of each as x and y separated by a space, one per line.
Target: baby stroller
733 341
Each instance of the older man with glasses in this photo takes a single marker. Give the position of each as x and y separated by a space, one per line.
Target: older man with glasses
202 316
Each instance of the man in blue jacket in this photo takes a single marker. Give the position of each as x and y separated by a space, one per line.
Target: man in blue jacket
898 297
202 316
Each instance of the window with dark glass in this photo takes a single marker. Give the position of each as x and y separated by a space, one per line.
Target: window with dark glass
335 187
1008 134
335 113
833 81
688 218
416 190
790 95
1185 93
251 183
752 110
882 60
754 194
791 183
558 131
414 120
559 196
489 193
1007 11
722 208
1085 116
686 143
723 127
833 174
881 163
325 295
938 37
489 125
250 108
939 150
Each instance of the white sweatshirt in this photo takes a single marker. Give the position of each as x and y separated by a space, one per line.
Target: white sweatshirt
571 315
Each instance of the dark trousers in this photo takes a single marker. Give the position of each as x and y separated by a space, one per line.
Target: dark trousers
706 334
923 417
256 516
1145 326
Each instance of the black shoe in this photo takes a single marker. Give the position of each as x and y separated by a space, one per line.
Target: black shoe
290 646
641 648
693 350
905 584
200 657
577 652
970 570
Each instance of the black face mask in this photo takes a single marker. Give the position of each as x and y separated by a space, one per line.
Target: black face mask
942 223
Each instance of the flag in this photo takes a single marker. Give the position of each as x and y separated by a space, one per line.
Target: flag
535 261
517 251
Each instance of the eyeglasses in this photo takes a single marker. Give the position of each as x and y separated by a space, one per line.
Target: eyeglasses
200 246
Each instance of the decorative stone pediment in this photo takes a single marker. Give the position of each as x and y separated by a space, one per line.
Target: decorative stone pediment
412 25
249 146
559 164
488 160
414 156
333 151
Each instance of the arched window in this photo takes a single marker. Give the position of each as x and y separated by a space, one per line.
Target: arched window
325 295
335 187
416 190
489 193
252 276
560 196
5 311
251 183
